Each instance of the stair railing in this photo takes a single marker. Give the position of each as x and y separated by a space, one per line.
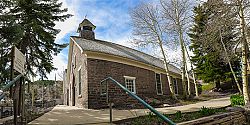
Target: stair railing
7 86
164 118
10 83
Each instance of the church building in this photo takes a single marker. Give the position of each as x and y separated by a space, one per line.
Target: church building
91 60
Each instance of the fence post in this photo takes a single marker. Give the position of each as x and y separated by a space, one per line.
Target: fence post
15 110
23 101
12 70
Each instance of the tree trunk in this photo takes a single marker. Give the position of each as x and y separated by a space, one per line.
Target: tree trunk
229 63
167 71
183 81
184 63
184 68
244 53
192 69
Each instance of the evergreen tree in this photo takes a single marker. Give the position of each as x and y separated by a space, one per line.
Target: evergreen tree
34 21
205 43
9 32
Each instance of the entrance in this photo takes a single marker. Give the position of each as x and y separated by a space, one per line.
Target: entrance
67 97
73 92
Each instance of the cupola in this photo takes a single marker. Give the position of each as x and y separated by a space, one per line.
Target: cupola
86 30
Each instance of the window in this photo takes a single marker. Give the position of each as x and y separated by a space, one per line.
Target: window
130 83
158 84
80 80
175 84
104 88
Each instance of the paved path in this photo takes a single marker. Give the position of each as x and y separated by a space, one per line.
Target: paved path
65 115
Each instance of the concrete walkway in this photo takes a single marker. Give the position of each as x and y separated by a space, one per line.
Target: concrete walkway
66 115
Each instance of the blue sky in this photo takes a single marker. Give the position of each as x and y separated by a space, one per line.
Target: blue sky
112 21
111 18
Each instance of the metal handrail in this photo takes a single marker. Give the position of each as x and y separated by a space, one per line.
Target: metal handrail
10 83
140 100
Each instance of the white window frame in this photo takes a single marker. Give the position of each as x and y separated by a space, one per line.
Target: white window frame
157 83
79 81
130 78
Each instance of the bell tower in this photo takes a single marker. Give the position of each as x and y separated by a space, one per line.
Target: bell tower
86 30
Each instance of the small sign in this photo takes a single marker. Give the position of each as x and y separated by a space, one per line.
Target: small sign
19 61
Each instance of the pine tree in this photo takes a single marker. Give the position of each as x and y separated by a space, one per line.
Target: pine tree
208 53
200 21
9 32
35 21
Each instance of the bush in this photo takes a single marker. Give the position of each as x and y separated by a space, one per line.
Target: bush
178 115
237 100
204 111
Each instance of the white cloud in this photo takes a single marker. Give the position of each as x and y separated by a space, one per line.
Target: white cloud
60 63
70 24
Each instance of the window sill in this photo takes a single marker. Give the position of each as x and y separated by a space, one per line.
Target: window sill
79 96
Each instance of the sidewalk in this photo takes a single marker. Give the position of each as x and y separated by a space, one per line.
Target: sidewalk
66 115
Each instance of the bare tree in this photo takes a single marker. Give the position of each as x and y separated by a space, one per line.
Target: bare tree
193 74
244 48
177 14
148 25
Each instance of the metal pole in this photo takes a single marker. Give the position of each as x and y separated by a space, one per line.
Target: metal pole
109 103
110 112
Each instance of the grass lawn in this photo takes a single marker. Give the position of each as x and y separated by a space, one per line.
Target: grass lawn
207 87
177 117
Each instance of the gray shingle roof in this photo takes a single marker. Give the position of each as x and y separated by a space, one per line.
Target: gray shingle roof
119 50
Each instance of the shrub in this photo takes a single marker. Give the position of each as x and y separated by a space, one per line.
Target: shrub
204 111
237 100
178 115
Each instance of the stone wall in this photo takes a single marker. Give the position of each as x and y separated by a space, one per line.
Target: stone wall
145 84
79 63
230 118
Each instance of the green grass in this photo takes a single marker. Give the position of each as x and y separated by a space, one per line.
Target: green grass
208 87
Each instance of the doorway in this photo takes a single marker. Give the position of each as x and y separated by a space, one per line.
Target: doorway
67 97
73 92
